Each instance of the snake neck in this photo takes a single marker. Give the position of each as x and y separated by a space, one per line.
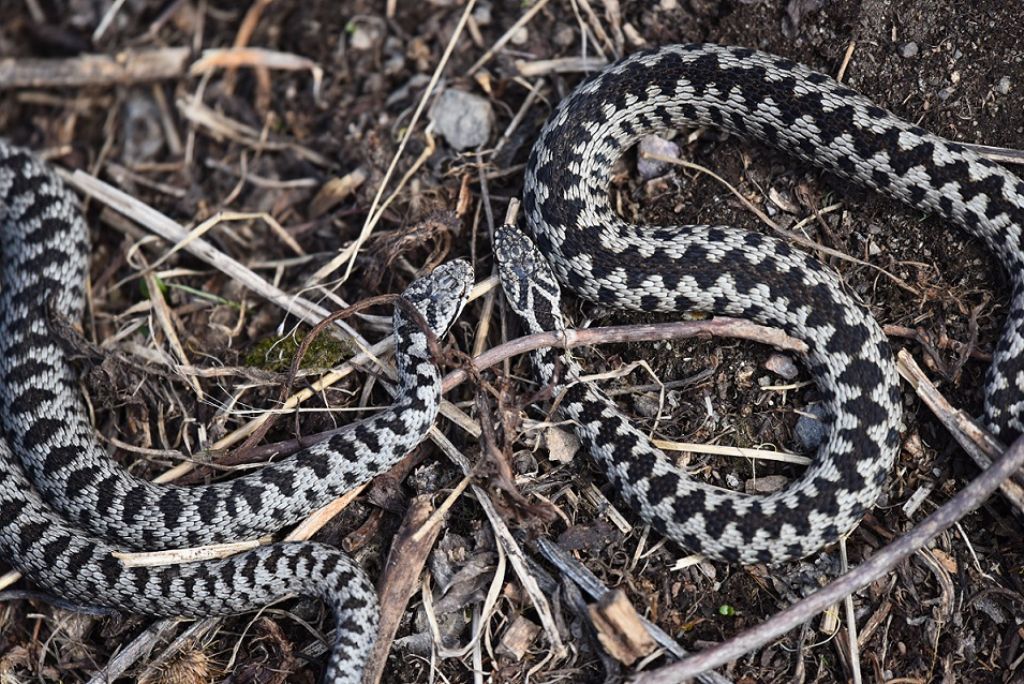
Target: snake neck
419 378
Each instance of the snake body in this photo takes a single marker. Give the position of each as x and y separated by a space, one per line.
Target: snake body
740 273
45 255
583 244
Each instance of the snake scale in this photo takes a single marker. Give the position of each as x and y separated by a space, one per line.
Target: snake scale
583 244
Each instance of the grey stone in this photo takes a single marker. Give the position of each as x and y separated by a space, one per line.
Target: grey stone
463 119
810 431
653 144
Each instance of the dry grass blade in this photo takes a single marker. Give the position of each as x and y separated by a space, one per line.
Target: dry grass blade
250 22
220 125
738 452
507 36
1003 155
163 317
193 554
375 213
168 229
563 65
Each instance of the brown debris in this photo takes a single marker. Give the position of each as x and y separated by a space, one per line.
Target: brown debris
335 191
190 666
619 628
353 171
401 579
517 638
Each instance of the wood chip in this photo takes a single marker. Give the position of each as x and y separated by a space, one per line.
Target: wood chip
562 445
562 65
947 561
782 365
517 638
335 191
620 629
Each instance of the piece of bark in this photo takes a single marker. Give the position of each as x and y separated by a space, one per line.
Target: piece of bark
516 640
400 580
620 629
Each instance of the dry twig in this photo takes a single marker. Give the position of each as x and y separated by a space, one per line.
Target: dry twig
124 68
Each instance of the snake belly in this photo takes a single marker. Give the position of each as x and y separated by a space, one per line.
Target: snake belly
45 257
734 272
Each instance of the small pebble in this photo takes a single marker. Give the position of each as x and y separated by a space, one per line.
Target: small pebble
524 463
653 144
811 432
1003 87
141 130
362 38
647 405
562 445
765 484
394 65
782 365
463 119
482 14
909 50
520 36
565 36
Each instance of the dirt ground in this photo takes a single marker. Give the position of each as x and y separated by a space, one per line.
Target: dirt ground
957 69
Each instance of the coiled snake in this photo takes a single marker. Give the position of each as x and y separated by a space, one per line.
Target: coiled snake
734 272
716 269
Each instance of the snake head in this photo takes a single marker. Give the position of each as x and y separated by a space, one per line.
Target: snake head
441 295
529 283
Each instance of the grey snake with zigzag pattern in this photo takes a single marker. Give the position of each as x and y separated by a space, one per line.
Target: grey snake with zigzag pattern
591 250
722 270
